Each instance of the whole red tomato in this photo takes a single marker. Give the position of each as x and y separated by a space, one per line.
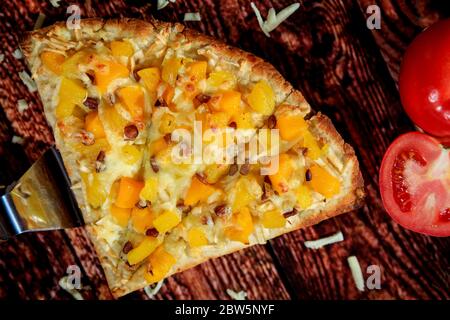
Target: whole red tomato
425 80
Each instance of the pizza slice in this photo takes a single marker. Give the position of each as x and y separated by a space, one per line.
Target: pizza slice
130 101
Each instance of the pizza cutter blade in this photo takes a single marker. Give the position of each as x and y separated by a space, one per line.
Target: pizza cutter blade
42 199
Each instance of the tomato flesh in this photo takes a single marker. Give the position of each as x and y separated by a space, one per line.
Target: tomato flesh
415 184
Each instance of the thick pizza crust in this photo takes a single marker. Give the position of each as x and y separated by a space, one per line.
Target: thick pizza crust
150 34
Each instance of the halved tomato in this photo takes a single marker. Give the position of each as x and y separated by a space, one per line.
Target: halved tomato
415 184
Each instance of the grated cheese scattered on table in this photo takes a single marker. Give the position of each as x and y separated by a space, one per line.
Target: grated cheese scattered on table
319 243
163 3
39 21
26 79
55 3
192 16
151 291
355 267
17 54
241 295
273 19
17 140
22 105
73 292
2 57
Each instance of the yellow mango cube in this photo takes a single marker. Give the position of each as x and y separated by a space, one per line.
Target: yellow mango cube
92 123
314 152
262 98
243 196
70 66
198 192
150 190
114 120
197 237
95 190
121 215
323 182
166 221
53 61
280 179
291 126
304 196
131 154
157 146
273 219
142 251
128 194
71 93
121 48
132 97
219 78
242 226
170 70
167 123
227 101
151 78
244 120
106 72
141 219
160 263
214 172
197 70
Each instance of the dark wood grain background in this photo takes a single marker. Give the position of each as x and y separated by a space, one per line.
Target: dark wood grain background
344 70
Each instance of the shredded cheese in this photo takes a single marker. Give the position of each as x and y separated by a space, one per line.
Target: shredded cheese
192 16
152 290
26 79
22 105
273 19
2 57
163 3
39 21
17 140
319 243
241 295
63 283
18 54
355 267
55 3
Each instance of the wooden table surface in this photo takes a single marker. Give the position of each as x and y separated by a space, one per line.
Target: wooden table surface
343 69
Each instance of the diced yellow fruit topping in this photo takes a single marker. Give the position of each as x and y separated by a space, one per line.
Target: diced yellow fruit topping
243 196
142 219
314 152
304 197
53 61
228 101
128 194
71 93
291 126
242 226
167 123
214 172
244 121
160 263
197 70
151 78
107 71
71 64
132 97
121 48
93 124
95 190
150 190
218 78
261 98
166 221
131 154
281 177
323 182
197 237
142 251
91 152
218 120
170 69
113 120
198 192
273 219
121 215
157 146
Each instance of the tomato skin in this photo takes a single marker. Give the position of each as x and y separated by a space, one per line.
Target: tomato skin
419 218
424 80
